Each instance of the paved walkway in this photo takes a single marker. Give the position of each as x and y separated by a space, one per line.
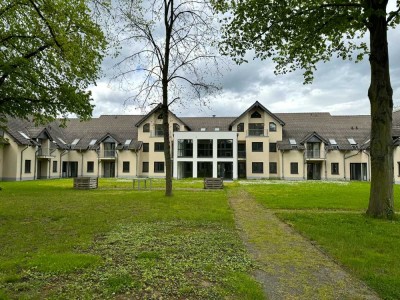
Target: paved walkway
290 267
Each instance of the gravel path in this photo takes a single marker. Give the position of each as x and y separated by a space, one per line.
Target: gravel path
290 267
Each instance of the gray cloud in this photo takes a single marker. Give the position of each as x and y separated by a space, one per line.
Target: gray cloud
340 87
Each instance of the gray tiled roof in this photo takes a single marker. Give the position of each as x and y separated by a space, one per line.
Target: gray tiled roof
300 125
120 127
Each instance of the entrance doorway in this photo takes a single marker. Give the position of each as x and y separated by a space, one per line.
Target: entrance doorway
358 171
109 169
185 169
204 169
242 169
225 170
70 169
314 171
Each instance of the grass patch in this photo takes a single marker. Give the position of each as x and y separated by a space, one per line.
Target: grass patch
368 247
332 215
312 194
63 262
57 242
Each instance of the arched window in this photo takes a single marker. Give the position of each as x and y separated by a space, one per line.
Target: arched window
160 116
256 115
146 127
240 127
175 127
272 126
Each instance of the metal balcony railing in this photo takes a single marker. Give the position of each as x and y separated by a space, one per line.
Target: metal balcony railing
314 154
44 152
257 132
108 153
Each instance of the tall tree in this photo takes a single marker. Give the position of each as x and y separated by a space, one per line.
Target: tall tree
170 47
50 52
298 34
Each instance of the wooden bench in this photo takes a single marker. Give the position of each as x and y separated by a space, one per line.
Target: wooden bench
213 183
86 183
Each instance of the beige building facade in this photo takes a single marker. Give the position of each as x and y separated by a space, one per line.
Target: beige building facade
258 144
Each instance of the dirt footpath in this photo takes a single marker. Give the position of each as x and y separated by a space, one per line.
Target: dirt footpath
290 267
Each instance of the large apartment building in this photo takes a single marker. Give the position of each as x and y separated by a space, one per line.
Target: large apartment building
256 144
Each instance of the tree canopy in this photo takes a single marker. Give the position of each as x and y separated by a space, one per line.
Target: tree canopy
51 51
298 34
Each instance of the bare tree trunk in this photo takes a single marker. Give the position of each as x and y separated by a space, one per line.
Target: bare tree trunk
168 23
167 152
380 93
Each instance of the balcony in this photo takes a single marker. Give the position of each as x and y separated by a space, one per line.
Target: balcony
315 155
107 154
257 132
45 153
157 133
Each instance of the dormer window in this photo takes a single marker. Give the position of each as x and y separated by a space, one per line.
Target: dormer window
240 127
333 142
272 126
146 127
352 143
256 115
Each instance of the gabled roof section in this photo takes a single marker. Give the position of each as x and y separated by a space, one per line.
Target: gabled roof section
108 136
314 135
262 107
154 110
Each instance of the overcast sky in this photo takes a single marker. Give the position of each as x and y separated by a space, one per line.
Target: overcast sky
340 87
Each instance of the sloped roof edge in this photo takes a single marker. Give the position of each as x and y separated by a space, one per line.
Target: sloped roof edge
258 104
142 120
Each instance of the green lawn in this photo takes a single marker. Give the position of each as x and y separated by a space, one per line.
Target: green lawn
57 242
332 215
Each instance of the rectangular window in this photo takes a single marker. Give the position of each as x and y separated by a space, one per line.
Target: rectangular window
335 168
204 148
158 147
125 167
145 147
398 165
27 166
159 130
145 167
185 148
90 167
257 146
273 168
158 167
257 167
294 168
272 147
225 148
256 129
241 150
54 166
